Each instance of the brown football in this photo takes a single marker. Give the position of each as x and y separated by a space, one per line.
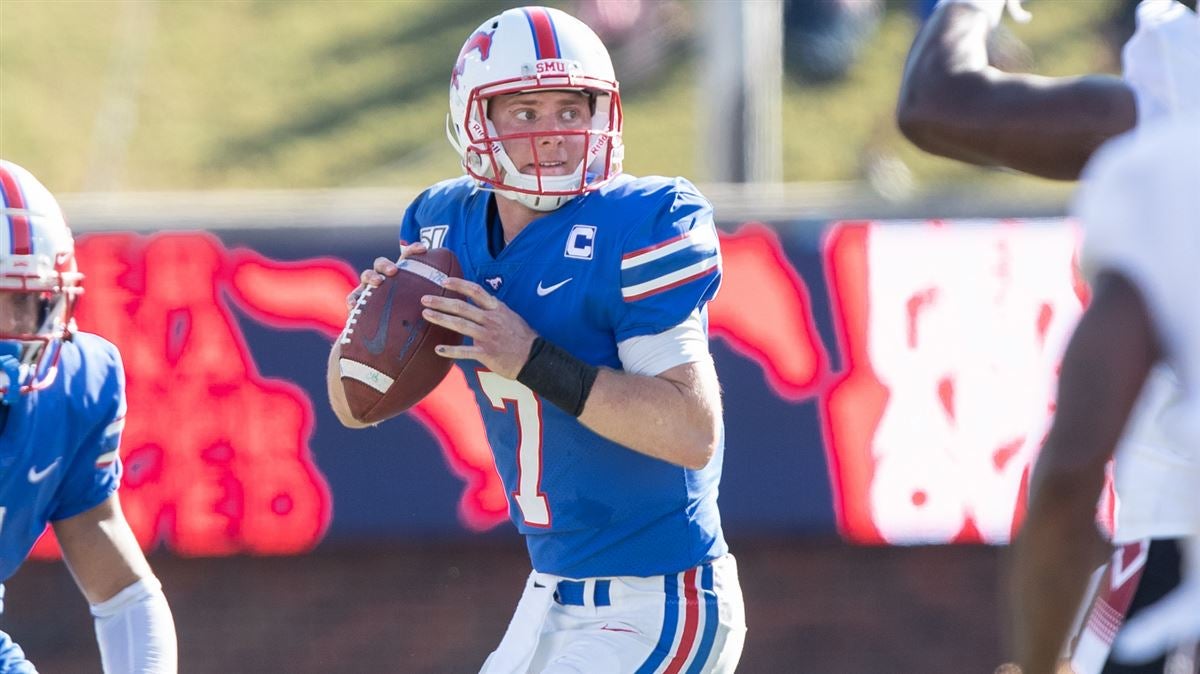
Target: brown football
387 362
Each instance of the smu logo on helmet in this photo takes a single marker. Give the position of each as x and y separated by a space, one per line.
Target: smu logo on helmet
555 67
480 40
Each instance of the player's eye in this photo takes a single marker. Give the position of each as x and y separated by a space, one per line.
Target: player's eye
570 115
525 115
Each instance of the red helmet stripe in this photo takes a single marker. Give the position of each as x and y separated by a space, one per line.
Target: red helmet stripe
545 38
20 233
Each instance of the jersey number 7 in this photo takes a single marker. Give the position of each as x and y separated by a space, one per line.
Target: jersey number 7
535 510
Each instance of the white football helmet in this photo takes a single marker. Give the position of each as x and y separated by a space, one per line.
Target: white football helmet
37 257
531 49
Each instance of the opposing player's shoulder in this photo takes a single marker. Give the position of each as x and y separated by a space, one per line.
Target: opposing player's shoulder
1137 207
1150 170
1152 15
1161 62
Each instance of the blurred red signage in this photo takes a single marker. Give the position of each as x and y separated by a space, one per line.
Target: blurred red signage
949 339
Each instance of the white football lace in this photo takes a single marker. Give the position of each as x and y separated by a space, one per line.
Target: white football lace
353 318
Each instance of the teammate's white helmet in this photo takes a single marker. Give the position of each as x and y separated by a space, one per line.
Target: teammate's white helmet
37 256
532 49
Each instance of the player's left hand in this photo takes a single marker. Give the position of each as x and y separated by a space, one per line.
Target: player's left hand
502 339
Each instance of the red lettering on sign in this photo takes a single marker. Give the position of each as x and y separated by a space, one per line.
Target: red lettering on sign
764 312
857 393
216 455
452 417
950 337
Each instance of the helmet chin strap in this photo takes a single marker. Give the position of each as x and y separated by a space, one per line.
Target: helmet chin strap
537 202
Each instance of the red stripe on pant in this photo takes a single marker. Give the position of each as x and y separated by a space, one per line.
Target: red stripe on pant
690 621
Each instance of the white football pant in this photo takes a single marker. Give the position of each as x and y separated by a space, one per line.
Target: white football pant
693 622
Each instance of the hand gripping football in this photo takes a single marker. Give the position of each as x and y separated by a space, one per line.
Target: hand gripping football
387 360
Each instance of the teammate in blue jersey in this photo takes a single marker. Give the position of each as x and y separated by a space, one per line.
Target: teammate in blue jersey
62 408
587 348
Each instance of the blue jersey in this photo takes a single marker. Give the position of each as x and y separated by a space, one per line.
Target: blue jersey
58 446
635 258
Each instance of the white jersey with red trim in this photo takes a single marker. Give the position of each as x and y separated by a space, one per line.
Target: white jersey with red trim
1140 209
1161 64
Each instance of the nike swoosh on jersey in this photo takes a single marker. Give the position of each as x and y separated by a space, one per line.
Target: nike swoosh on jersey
36 476
542 292
375 344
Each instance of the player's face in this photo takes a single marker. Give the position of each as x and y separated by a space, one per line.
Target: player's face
543 113
18 312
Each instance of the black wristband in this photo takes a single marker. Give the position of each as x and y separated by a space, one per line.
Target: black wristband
557 376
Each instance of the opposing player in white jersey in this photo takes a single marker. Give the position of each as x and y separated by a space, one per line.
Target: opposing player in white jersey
1139 207
587 348
62 408
954 104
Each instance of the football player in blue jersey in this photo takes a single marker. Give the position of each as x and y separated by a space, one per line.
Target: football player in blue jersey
587 349
62 408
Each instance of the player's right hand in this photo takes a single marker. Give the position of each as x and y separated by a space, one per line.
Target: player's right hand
383 267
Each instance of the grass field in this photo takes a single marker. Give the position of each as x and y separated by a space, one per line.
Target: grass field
99 95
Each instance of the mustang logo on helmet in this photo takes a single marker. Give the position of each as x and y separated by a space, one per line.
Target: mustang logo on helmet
482 41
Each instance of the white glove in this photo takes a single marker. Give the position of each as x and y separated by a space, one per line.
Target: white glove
995 9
